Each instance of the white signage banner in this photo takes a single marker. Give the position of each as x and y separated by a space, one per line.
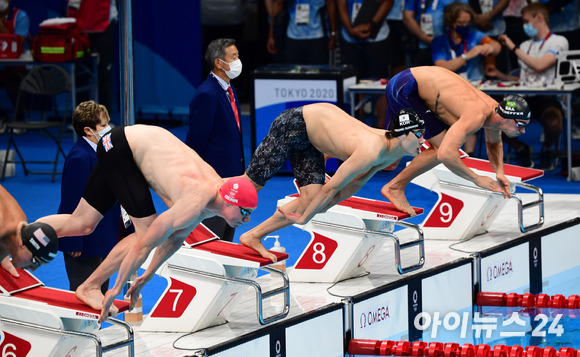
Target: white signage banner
506 271
382 316
276 91
320 336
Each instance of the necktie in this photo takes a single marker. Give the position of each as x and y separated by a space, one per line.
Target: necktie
234 106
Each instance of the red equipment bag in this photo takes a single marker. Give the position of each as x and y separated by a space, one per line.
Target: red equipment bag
60 40
10 46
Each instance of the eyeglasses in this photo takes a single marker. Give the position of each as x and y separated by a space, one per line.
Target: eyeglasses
418 133
35 262
245 211
520 124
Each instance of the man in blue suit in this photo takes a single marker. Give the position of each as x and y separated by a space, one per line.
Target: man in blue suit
82 255
214 120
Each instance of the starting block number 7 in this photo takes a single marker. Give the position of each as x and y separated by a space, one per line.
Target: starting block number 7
175 300
318 253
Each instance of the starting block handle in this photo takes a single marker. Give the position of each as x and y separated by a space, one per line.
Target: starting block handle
398 245
285 289
420 241
523 206
99 348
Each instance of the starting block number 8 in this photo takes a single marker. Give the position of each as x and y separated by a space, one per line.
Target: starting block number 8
319 257
318 253
445 213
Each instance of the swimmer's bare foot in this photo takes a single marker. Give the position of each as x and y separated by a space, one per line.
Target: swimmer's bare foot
93 297
398 199
256 244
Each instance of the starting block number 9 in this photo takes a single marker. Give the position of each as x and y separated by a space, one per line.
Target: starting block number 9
318 253
444 214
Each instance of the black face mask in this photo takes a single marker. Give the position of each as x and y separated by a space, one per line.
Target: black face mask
463 30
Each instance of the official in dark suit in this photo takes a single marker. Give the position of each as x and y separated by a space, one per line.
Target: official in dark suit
82 255
214 120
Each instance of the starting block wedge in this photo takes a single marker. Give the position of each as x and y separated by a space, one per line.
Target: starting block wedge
464 210
205 277
36 320
345 239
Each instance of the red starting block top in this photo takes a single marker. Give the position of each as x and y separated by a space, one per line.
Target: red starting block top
13 285
383 208
524 173
27 286
202 236
64 299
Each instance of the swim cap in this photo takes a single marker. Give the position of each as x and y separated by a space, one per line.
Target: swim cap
240 192
514 107
41 240
405 120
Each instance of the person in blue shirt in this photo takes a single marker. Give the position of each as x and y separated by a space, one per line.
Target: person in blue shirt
364 44
463 49
424 19
306 36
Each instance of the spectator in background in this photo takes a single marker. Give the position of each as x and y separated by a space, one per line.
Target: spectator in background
230 19
489 19
463 50
99 18
82 255
364 40
12 21
513 29
537 59
214 121
306 36
399 39
424 19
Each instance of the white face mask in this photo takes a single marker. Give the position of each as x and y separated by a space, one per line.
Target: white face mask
235 68
100 133
4 5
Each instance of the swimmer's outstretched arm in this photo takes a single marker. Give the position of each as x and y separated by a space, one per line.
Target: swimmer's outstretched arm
346 173
164 226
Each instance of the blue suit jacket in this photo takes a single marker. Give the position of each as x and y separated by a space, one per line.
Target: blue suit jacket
77 167
213 131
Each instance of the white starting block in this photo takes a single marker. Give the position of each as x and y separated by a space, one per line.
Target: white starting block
465 210
204 278
345 239
36 320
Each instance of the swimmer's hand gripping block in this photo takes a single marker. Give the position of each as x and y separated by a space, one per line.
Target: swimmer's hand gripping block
205 278
41 321
464 210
